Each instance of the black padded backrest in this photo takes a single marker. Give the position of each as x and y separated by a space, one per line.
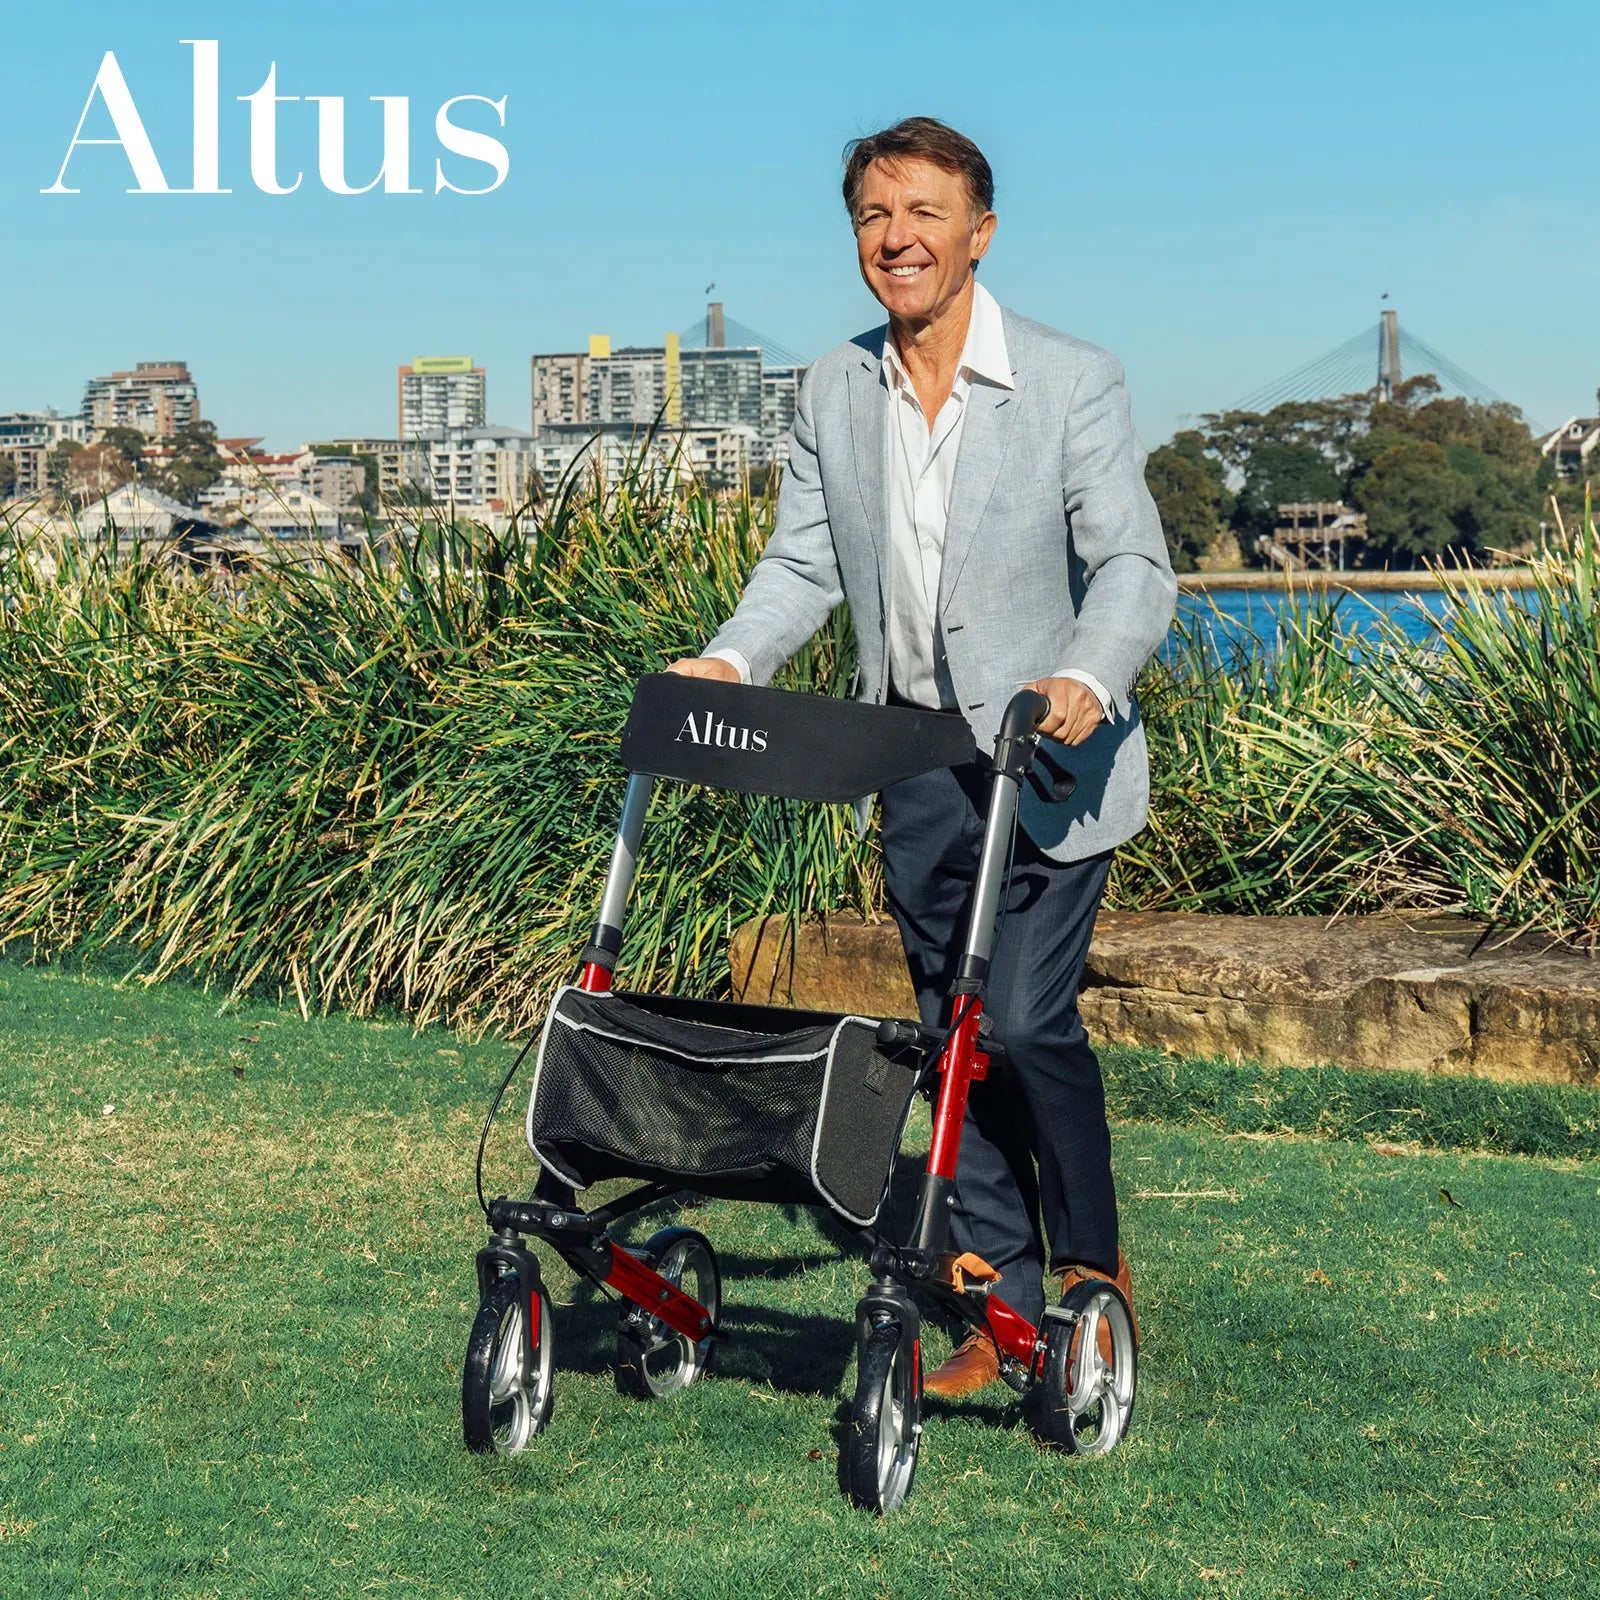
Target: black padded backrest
768 741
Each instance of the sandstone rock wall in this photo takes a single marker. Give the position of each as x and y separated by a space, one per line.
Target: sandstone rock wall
1425 995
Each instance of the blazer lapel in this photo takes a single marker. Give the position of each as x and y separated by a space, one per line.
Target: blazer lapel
868 432
985 436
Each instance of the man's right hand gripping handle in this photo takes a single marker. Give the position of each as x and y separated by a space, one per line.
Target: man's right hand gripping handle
706 667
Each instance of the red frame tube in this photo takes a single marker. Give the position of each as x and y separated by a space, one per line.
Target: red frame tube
594 978
1014 1335
963 1065
647 1289
960 1066
535 1329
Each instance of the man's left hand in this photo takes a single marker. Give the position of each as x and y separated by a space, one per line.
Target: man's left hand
1074 710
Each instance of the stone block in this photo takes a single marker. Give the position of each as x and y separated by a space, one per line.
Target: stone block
1409 994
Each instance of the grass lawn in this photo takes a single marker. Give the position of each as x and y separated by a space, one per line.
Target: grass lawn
238 1281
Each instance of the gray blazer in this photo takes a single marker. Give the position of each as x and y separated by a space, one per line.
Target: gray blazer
1053 557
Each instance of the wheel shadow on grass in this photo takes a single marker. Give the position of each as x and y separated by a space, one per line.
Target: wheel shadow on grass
801 1354
788 1352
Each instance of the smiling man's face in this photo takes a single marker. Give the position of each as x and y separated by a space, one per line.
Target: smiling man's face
916 237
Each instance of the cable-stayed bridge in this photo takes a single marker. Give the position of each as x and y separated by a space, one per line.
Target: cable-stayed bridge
1372 362
716 330
1368 364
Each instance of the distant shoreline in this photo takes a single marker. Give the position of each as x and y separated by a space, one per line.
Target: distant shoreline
1470 577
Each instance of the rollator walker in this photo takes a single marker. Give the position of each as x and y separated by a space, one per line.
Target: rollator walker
761 1103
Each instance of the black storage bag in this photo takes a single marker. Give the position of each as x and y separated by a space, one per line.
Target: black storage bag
743 1102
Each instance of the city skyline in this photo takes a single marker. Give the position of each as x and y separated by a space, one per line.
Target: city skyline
450 392
714 411
1214 199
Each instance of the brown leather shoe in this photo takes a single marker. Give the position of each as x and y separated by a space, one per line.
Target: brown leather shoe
973 1365
1123 1280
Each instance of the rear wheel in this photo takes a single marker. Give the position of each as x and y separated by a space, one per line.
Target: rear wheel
506 1392
885 1428
1083 1400
652 1358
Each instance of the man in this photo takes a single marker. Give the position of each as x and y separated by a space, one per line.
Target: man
970 481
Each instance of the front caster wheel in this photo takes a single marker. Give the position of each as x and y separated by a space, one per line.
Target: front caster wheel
652 1359
1083 1400
506 1393
885 1428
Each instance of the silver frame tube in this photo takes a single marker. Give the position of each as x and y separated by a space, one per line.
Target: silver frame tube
625 851
997 839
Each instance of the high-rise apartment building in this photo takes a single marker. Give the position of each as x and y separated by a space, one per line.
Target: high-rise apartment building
722 387
627 385
780 390
27 438
158 398
479 466
711 387
560 388
638 384
438 392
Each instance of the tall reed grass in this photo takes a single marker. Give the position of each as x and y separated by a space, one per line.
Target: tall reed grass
1346 769
394 784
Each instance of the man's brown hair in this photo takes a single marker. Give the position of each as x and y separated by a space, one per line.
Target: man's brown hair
920 139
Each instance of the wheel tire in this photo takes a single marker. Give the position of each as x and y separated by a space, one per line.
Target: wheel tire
654 1360
1079 1403
502 1407
885 1427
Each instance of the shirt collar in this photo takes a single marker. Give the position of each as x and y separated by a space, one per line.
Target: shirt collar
984 353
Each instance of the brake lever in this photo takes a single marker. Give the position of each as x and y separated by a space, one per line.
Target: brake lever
1063 781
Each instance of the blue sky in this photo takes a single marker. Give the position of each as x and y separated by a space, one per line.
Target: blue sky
1216 193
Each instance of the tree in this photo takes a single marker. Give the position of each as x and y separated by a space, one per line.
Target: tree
58 463
94 471
8 474
1281 473
1499 515
1299 451
1469 472
1417 504
1496 484
130 442
195 463
1493 428
1189 493
1329 427
369 500
764 481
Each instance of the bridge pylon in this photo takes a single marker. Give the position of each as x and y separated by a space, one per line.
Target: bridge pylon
1388 354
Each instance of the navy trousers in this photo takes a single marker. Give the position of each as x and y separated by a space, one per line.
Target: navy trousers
1035 1139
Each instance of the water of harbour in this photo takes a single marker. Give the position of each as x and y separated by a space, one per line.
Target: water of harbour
1251 618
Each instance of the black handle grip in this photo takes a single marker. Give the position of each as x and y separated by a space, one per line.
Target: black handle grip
1018 737
893 1034
1024 712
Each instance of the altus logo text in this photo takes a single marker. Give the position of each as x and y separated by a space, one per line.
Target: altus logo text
464 145
713 730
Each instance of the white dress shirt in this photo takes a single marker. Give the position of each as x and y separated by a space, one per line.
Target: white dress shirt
921 464
921 472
